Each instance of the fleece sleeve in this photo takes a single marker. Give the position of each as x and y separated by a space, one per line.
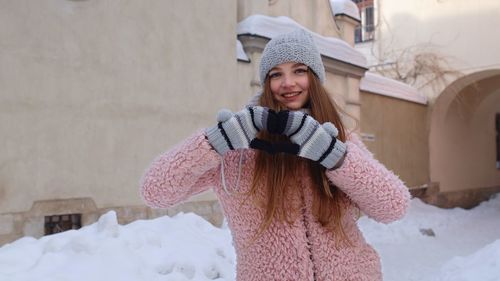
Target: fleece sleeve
377 192
187 169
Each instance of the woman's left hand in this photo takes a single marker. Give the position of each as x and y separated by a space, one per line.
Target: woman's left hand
316 141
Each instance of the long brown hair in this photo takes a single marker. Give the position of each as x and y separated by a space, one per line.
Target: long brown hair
276 172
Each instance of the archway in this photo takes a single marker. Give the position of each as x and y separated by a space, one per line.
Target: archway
462 141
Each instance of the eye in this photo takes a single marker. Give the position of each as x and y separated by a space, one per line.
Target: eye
301 70
274 75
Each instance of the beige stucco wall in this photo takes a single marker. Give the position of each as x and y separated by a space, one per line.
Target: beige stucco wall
400 136
92 91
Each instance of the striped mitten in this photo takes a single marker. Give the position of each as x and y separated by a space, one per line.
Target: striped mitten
317 142
237 130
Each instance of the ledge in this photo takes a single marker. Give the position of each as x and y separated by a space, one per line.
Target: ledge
377 84
467 199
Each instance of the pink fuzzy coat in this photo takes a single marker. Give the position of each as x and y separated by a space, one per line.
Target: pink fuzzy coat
303 250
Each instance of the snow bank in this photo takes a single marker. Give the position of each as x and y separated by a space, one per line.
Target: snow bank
185 247
429 244
483 265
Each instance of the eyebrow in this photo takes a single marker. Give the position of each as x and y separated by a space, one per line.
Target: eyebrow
298 64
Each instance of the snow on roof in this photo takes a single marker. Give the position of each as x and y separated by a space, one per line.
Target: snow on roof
378 84
345 7
269 27
240 53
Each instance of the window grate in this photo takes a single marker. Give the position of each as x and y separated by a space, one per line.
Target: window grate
59 223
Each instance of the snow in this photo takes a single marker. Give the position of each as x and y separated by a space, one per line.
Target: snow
240 52
409 254
482 265
378 84
269 27
345 7
428 244
185 247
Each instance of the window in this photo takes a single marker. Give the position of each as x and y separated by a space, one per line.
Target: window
60 223
498 139
366 31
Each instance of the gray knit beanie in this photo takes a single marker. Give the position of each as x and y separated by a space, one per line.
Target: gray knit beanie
296 46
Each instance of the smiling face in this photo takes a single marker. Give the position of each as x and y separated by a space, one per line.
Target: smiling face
289 84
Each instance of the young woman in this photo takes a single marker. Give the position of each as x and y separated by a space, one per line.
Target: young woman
291 181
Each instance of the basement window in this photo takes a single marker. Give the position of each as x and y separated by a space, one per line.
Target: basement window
59 223
498 139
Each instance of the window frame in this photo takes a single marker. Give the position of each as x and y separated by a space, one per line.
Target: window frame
365 32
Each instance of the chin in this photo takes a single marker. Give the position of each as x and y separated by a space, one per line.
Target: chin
293 106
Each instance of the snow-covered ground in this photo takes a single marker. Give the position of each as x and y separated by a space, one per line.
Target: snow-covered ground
429 244
439 244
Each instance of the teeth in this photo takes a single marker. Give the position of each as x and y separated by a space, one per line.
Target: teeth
290 95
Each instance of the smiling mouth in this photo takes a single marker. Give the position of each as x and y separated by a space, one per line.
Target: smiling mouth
291 95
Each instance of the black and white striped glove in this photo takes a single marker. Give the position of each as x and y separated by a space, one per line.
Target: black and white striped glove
315 141
237 130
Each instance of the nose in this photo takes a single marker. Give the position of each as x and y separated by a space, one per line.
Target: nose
287 81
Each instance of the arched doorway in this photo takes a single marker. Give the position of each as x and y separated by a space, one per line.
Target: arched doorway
463 140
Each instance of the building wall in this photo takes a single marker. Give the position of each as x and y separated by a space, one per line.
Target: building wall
461 150
395 131
92 91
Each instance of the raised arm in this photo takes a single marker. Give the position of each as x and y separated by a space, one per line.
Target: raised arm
378 192
193 166
188 169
